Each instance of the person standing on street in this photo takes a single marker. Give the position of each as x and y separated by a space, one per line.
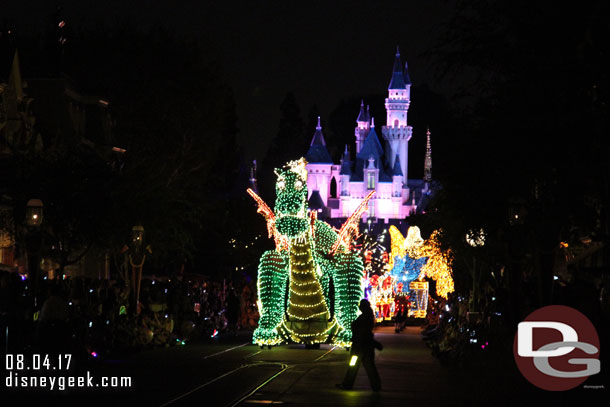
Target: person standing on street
363 349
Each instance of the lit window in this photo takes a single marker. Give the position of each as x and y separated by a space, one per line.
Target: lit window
371 180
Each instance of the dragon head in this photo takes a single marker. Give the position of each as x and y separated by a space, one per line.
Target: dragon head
291 199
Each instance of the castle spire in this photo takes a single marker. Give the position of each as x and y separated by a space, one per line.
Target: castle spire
428 159
252 180
317 149
406 74
397 131
398 76
362 115
345 167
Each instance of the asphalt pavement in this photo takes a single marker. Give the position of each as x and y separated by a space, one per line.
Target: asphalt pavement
230 371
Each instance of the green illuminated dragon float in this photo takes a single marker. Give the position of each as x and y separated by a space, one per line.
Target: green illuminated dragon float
310 286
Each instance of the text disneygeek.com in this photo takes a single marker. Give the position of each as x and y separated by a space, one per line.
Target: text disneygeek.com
17 381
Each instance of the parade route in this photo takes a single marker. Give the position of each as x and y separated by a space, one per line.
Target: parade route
233 372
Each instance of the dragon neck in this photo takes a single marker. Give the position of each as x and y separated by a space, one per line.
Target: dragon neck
306 296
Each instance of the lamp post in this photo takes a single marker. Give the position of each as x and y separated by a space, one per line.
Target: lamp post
136 260
475 238
33 220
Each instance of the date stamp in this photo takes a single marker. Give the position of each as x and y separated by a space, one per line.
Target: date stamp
37 362
51 372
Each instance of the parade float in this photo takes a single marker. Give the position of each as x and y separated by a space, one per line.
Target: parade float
310 286
413 262
403 282
379 285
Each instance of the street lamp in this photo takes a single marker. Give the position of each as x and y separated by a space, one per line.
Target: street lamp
475 238
33 213
33 219
137 236
136 259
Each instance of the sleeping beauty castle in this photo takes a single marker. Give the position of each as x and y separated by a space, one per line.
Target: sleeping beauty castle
336 190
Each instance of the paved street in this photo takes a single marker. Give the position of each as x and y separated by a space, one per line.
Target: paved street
234 372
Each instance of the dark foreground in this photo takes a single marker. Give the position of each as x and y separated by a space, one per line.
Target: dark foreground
233 372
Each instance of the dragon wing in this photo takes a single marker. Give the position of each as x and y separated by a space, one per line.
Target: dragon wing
280 241
349 229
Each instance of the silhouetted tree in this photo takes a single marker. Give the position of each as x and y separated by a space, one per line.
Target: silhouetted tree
290 143
516 169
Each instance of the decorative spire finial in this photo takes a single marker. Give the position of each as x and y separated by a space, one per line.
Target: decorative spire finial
372 122
397 51
318 127
371 165
362 115
428 159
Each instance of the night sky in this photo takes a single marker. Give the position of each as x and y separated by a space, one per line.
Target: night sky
323 51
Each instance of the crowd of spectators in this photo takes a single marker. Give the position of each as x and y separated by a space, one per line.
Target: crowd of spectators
99 317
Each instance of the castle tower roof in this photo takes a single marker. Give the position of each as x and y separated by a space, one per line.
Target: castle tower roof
318 153
398 75
406 74
362 115
346 165
372 146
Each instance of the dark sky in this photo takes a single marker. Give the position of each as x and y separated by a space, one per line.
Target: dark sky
323 51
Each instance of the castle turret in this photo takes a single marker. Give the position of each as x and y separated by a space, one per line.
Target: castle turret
319 165
362 126
345 173
397 132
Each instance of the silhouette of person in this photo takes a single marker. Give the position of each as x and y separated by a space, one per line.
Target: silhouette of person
363 349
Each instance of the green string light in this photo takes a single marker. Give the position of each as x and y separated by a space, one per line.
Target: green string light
294 285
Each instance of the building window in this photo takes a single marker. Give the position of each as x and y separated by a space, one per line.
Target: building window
371 209
333 187
371 180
